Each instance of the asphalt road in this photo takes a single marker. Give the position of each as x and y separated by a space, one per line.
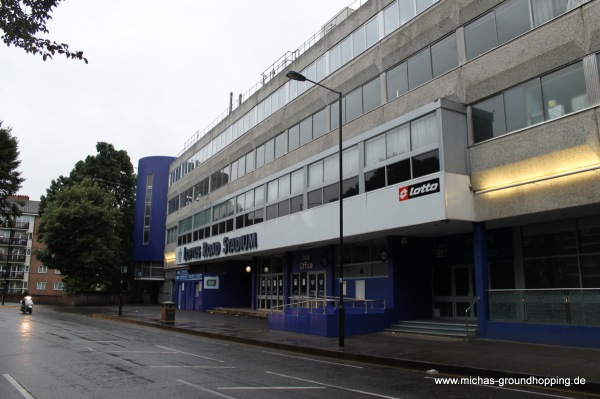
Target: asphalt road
52 355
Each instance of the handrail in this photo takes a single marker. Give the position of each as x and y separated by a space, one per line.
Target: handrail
302 301
466 313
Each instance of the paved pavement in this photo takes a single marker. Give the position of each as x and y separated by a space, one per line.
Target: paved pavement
475 358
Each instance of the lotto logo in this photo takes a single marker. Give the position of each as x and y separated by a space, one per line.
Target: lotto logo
417 190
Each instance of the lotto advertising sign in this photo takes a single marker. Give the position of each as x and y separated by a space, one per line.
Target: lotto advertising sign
419 190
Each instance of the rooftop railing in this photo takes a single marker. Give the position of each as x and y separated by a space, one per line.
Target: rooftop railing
269 73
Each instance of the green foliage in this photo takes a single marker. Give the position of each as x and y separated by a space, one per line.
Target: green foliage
23 21
110 172
10 177
81 230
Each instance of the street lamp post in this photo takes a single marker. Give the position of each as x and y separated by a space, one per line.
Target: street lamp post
341 311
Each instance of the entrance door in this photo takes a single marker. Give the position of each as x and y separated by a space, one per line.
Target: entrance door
453 291
270 292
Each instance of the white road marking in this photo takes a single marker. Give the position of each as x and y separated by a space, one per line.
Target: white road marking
266 388
18 386
194 367
206 390
333 386
313 360
190 354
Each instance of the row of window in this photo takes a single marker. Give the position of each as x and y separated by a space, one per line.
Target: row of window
541 99
416 70
350 47
41 286
406 145
503 23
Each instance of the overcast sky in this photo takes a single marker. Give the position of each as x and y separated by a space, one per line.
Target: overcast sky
159 70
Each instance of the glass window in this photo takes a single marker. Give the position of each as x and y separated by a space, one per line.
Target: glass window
258 216
398 141
306 131
424 131
311 73
259 195
523 105
240 202
296 204
250 162
270 151
422 5
234 171
589 235
374 179
293 89
284 208
281 93
359 40
331 168
321 71
419 69
272 190
315 198
480 35
335 58
284 186
249 199
549 239
407 11
335 116
545 10
293 137
590 271
319 123
397 81
372 95
444 55
398 172
346 50
564 91
488 119
274 102
512 19
350 161
280 145
297 181
375 150
390 19
315 174
354 104
331 193
260 156
241 166
350 187
372 32
272 211
425 164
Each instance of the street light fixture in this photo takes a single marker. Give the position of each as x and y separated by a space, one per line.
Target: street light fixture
293 75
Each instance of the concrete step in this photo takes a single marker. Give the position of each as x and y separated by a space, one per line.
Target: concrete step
261 314
432 327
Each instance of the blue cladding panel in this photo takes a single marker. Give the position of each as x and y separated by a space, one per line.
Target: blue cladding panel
158 167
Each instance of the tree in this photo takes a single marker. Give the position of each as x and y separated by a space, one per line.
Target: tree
81 230
10 177
110 171
23 21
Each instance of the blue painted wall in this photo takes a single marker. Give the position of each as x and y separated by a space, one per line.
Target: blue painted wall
158 166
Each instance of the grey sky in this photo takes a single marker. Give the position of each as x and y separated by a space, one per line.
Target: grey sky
159 70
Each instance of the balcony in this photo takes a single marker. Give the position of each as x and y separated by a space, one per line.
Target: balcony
12 258
15 241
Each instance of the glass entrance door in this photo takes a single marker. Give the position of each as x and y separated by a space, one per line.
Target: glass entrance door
270 292
453 291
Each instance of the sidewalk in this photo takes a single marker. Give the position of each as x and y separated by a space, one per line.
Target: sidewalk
476 358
